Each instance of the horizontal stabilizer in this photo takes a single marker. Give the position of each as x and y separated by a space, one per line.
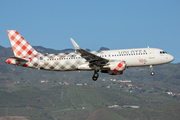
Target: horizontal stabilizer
20 59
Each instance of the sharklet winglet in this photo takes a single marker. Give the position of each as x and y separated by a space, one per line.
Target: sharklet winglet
75 44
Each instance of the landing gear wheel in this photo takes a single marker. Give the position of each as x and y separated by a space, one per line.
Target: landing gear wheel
152 73
95 76
151 68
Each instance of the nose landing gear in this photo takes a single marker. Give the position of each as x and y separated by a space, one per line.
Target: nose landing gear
151 68
152 73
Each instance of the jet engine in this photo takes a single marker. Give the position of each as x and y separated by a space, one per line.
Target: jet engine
111 72
115 68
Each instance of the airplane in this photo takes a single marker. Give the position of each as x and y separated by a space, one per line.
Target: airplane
112 62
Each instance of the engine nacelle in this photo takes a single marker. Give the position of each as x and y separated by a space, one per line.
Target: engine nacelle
117 66
111 72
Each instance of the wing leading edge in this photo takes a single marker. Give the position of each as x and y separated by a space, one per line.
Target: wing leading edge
95 62
91 58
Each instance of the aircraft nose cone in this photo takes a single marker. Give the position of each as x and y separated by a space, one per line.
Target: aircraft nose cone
171 58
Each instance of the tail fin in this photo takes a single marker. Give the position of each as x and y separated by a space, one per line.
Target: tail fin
20 46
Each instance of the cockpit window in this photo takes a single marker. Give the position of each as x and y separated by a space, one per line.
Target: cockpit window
163 52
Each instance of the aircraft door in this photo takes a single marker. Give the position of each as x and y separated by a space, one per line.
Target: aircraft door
151 54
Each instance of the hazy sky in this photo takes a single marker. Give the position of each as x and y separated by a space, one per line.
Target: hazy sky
116 24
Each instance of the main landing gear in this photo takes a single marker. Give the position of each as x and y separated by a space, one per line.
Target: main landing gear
96 70
95 75
151 68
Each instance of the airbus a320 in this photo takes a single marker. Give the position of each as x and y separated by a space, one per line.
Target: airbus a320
112 62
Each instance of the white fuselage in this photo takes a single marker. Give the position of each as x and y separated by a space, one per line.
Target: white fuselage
133 58
139 57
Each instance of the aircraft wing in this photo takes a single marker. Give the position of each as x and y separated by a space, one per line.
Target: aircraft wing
91 58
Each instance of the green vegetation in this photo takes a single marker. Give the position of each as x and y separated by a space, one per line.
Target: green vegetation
59 101
47 95
84 102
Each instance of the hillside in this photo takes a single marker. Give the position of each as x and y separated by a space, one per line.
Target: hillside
37 94
62 99
104 114
83 102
